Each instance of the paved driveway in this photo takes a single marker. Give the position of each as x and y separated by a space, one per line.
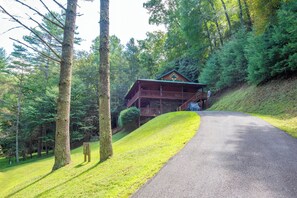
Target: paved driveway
232 155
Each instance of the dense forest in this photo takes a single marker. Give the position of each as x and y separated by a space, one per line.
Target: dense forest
218 42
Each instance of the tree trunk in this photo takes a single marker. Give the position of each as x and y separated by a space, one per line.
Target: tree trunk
240 13
45 142
62 137
39 148
247 10
104 84
226 14
17 127
208 36
31 148
216 22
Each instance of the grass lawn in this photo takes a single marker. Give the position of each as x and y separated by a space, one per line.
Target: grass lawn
275 102
138 156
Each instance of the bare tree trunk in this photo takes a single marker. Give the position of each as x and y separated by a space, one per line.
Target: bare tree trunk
208 35
44 137
216 22
240 13
31 148
104 84
226 14
62 137
17 127
39 147
247 10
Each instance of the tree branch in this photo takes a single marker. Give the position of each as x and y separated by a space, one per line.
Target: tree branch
51 12
59 5
43 54
60 26
15 19
10 29
41 26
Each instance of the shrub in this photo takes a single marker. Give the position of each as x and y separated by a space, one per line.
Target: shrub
128 118
210 74
228 65
273 53
233 61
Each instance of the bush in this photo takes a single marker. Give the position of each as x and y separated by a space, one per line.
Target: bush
233 61
210 74
228 65
128 118
274 52
254 52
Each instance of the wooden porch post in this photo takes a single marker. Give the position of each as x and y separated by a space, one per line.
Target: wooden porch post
161 93
182 94
139 101
204 105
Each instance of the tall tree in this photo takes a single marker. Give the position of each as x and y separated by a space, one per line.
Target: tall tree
62 137
240 13
227 15
21 67
104 84
3 59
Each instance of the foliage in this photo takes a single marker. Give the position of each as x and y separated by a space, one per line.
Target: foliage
284 41
275 102
233 62
264 13
211 71
274 52
228 65
138 157
255 58
3 60
198 42
152 54
128 118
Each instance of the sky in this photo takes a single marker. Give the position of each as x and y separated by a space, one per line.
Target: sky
128 19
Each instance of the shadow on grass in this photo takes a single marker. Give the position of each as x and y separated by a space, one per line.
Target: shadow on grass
43 177
81 164
69 180
4 163
23 188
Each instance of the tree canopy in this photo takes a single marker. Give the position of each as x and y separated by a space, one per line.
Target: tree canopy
218 42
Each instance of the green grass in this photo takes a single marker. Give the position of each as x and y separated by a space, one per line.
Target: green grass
275 102
138 156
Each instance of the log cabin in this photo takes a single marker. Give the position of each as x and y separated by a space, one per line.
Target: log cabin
171 91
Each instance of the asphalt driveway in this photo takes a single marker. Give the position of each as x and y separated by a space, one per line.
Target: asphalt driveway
232 155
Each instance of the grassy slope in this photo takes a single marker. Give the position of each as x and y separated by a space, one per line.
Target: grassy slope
275 102
138 157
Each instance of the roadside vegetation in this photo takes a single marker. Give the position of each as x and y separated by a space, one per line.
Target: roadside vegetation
138 157
274 102
217 42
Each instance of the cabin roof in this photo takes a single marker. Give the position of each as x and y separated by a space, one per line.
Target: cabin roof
162 82
171 71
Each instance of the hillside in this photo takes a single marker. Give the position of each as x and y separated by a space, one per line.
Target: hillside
275 102
138 156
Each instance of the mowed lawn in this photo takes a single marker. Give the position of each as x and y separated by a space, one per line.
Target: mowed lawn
138 156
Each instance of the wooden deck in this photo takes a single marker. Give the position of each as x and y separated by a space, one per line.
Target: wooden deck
169 95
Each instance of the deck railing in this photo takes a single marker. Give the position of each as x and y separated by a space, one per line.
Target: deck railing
155 94
195 98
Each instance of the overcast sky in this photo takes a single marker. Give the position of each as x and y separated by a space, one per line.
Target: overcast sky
128 19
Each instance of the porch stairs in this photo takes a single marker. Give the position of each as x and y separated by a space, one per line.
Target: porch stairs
198 96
